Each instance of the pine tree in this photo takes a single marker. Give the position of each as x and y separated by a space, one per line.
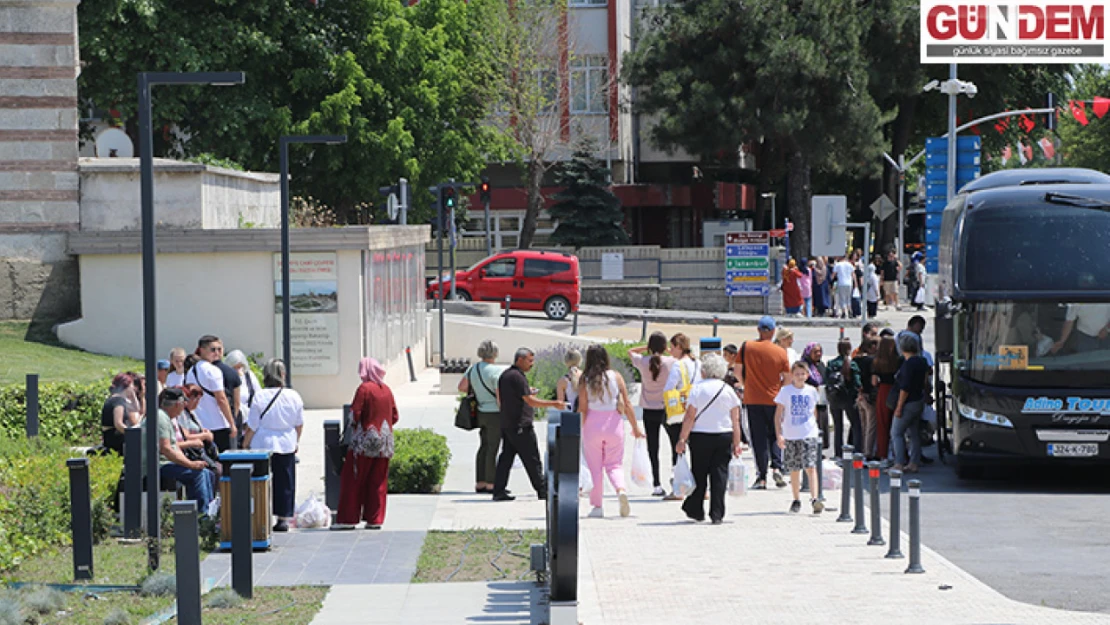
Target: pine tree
588 212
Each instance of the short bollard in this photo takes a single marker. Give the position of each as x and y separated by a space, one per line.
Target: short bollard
895 550
412 370
716 320
187 557
331 475
845 487
915 527
876 518
32 405
508 305
574 330
820 476
643 328
132 482
242 549
857 471
80 503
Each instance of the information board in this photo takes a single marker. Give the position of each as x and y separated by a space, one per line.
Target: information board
747 263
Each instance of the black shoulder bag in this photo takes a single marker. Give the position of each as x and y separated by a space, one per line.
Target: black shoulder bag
466 417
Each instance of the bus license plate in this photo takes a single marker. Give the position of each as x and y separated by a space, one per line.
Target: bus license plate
1072 450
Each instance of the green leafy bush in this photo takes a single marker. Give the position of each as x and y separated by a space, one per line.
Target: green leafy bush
420 459
34 496
67 411
159 584
549 367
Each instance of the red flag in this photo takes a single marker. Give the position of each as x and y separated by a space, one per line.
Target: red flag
1048 148
1100 106
1001 125
1078 111
1027 124
1006 154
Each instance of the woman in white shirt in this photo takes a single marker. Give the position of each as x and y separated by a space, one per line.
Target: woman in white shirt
176 376
249 391
602 398
712 429
275 423
684 374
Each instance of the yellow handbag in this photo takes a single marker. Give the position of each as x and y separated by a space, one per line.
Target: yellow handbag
674 400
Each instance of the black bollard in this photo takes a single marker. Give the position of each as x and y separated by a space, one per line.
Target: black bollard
32 405
331 476
132 482
187 557
915 527
80 521
820 475
846 487
242 549
574 330
876 520
716 320
857 471
643 329
508 305
895 550
412 370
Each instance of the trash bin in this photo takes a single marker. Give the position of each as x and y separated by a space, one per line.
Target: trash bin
710 344
261 498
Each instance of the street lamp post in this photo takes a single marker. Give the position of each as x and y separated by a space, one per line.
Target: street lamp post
772 196
283 143
147 80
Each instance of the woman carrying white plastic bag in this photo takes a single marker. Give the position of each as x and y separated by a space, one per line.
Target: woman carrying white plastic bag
712 428
641 464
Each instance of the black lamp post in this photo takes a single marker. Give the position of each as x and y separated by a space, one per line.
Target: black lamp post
146 184
286 350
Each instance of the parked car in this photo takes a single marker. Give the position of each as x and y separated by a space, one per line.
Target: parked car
535 280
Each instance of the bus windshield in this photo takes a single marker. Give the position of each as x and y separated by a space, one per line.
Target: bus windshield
1038 344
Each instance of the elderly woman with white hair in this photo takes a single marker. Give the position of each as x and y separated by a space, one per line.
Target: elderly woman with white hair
249 390
712 430
275 423
482 376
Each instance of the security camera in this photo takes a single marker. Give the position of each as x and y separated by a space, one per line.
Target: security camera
931 85
970 89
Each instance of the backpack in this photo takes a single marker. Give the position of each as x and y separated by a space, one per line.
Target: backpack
835 384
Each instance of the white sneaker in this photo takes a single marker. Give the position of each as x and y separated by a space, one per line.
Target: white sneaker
596 513
658 492
625 510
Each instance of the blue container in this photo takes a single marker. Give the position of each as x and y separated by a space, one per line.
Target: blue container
932 235
932 221
710 344
931 266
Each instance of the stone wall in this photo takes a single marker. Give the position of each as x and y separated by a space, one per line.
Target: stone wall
39 192
702 298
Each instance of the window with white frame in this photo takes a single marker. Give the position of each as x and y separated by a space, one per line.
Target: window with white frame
548 80
589 84
588 3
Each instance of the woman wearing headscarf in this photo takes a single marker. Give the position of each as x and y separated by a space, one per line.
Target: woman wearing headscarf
805 286
791 292
820 286
275 422
365 479
811 356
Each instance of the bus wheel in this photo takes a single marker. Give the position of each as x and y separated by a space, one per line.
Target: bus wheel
968 471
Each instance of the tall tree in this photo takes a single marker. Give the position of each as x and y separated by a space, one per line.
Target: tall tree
720 73
588 212
1086 145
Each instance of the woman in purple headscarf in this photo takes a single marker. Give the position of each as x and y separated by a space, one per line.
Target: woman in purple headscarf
811 356
365 478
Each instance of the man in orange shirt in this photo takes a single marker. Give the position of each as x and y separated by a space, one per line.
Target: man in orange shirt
762 367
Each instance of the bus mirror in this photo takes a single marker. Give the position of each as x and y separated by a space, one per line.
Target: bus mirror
943 331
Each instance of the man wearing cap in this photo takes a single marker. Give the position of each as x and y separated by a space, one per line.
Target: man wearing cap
163 371
194 475
762 367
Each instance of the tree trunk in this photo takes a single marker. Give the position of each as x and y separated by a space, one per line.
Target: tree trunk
533 182
798 203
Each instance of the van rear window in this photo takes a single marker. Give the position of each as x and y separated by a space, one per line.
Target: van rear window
536 268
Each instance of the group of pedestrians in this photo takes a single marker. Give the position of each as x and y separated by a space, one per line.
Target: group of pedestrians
841 287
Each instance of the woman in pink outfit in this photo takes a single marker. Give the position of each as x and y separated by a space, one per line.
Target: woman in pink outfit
602 397
805 285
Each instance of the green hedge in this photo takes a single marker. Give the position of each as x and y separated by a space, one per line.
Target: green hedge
67 411
420 459
549 367
34 497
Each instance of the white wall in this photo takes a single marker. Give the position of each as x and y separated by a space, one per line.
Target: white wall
463 335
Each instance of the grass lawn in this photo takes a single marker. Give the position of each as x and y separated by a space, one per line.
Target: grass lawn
471 556
125 564
51 359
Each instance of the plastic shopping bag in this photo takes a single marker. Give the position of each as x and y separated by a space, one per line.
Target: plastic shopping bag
312 513
585 480
683 478
641 464
737 478
832 476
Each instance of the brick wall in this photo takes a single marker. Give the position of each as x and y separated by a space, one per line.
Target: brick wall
39 192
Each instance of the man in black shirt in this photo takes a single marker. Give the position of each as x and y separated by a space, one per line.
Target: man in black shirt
911 380
232 382
518 434
891 266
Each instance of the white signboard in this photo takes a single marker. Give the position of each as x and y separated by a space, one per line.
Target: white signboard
313 315
612 266
828 232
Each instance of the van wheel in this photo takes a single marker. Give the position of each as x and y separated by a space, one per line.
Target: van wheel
462 296
557 308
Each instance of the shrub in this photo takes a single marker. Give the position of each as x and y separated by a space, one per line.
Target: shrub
11 611
159 585
224 599
117 616
34 496
43 600
549 367
67 410
420 459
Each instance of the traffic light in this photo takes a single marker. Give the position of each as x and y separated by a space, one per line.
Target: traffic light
483 188
450 195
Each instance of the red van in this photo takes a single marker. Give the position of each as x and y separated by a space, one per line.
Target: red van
536 280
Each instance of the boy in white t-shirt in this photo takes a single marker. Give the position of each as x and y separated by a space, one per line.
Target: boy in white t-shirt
798 434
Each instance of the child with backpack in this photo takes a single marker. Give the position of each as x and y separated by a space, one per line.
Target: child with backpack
798 435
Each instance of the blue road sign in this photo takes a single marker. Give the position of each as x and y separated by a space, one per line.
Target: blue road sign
748 288
747 250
